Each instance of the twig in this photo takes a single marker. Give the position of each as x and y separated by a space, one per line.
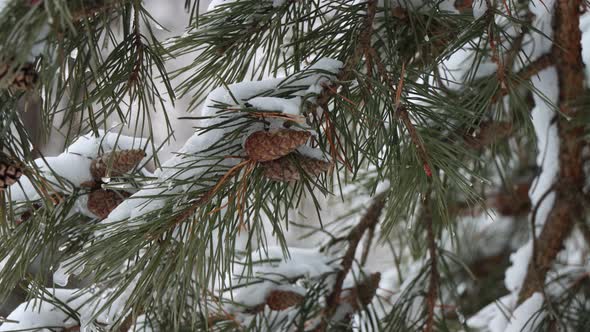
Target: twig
395 96
330 90
134 77
534 216
415 137
95 9
533 263
362 47
532 69
368 244
209 194
369 219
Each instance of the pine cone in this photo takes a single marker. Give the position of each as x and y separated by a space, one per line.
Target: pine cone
286 169
101 202
90 184
271 145
364 292
9 174
488 134
23 78
463 5
26 78
281 300
120 162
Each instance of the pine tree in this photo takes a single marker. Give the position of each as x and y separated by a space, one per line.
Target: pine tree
353 165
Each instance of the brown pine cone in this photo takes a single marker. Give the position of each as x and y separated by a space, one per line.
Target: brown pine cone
23 78
90 184
463 5
271 145
120 162
101 202
365 291
489 133
9 174
26 78
281 299
286 169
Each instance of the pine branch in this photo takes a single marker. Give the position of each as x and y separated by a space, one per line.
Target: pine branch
368 243
362 47
535 67
568 206
189 238
369 220
526 73
402 113
416 140
95 7
134 76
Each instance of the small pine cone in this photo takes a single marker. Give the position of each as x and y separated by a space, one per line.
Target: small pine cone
365 291
463 5
90 184
280 299
25 78
489 133
9 174
270 145
120 162
285 169
101 202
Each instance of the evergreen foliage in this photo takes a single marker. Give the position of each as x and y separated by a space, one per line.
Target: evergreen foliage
383 135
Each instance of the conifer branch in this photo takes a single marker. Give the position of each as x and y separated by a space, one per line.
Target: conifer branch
416 140
402 113
568 206
535 67
95 7
363 46
135 73
369 220
529 71
368 243
381 113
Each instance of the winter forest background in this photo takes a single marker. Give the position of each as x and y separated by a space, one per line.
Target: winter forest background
286 165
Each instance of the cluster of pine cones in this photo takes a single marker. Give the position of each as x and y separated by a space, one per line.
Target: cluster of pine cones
22 78
275 153
114 164
10 172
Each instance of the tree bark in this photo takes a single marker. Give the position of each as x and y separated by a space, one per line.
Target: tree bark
568 204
